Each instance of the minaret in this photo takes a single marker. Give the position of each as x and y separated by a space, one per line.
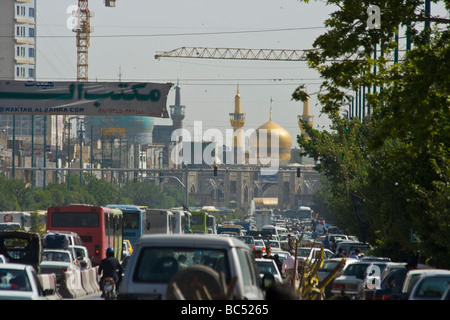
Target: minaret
305 116
177 112
237 120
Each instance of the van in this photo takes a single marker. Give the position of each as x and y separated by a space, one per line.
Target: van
159 261
274 230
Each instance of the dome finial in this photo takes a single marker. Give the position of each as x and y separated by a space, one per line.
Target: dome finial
271 102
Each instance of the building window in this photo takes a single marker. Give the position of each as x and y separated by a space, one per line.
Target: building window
31 12
31 73
31 52
31 32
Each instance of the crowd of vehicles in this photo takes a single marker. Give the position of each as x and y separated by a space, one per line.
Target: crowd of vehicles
161 249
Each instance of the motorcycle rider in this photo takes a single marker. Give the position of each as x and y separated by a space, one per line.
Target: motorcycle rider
110 267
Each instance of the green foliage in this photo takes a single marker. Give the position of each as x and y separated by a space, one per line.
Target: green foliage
396 160
15 195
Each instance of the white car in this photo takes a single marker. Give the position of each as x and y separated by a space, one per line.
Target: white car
431 286
268 266
82 256
260 245
161 260
354 274
57 262
20 282
311 254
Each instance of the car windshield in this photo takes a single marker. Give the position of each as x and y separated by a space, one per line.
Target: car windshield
55 256
329 266
266 267
358 269
432 287
303 252
15 280
158 265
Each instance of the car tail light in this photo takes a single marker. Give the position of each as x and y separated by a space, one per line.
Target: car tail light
63 270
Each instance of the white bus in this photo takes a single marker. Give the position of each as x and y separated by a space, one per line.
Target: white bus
158 221
182 221
11 220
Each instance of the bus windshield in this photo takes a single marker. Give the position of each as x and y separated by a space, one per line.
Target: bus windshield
131 220
75 219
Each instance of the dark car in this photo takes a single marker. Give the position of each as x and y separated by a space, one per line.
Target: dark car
21 247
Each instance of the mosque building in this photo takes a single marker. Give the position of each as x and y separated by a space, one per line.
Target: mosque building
236 184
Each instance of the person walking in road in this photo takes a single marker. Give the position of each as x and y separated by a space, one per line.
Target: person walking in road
288 269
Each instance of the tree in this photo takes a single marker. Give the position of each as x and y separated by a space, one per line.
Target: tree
407 178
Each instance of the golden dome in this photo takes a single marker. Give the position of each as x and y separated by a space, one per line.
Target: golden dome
284 139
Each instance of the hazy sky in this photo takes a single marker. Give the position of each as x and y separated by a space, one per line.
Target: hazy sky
127 37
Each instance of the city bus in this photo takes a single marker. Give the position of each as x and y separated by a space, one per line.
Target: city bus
15 220
98 227
302 213
158 221
182 221
133 217
199 222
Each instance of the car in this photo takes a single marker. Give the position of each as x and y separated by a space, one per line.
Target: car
66 240
51 240
57 261
431 285
3 259
311 254
249 240
154 268
82 257
21 247
268 266
350 246
20 282
127 248
368 289
353 276
260 245
275 246
328 266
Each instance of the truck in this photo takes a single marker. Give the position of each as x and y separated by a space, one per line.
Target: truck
15 220
263 218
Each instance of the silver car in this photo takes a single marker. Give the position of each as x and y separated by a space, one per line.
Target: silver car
161 262
57 262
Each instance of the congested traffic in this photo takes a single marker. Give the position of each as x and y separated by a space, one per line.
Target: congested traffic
161 252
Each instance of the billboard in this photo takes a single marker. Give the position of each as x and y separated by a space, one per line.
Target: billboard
84 98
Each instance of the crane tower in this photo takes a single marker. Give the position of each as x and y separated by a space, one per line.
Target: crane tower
83 31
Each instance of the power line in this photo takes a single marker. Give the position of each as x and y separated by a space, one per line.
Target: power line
180 34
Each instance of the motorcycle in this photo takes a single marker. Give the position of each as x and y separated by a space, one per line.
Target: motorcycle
109 288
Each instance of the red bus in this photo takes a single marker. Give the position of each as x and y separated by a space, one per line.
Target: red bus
98 227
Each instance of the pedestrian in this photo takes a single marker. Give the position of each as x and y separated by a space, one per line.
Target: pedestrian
290 242
288 269
355 254
258 253
278 262
326 243
268 254
340 253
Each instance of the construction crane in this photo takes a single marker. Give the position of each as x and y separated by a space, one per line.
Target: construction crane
83 31
252 54
235 54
